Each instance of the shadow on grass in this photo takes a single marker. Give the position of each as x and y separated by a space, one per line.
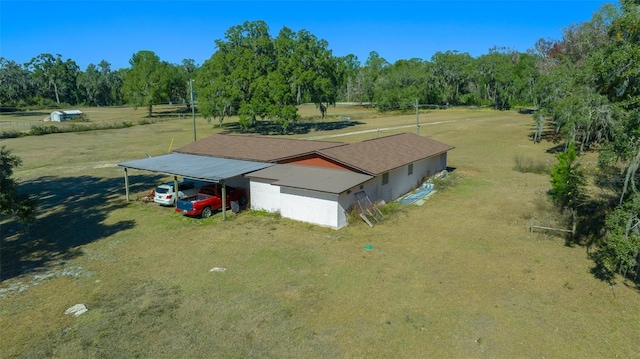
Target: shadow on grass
72 213
550 136
296 128
601 272
178 109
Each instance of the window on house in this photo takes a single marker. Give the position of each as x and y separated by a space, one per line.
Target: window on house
385 178
410 172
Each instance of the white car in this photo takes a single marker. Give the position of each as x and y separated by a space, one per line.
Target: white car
166 196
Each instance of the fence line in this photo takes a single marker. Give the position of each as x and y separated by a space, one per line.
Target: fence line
17 124
26 125
532 226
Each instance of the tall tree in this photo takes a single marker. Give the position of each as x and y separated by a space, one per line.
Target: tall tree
97 84
567 180
318 70
453 70
617 67
308 67
13 202
56 79
145 83
177 82
350 84
402 84
188 68
567 183
15 82
242 77
581 40
244 60
496 76
116 84
373 68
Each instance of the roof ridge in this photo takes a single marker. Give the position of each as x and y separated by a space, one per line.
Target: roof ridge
251 135
350 165
387 136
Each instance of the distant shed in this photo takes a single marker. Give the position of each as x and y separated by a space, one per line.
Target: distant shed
59 116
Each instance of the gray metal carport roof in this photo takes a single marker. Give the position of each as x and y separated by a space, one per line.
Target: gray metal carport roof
212 169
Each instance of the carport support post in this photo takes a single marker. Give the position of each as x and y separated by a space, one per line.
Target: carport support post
224 200
126 183
175 190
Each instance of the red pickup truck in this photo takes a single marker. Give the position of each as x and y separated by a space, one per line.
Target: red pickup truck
209 199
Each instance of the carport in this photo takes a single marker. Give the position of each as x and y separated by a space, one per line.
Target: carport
204 168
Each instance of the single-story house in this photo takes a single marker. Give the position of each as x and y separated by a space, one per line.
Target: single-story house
316 181
306 180
59 116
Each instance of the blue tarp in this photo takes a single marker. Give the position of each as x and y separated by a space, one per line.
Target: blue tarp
422 192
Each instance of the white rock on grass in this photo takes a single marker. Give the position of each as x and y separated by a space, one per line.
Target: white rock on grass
217 269
77 310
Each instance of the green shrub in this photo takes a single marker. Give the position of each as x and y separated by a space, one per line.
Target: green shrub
38 130
74 126
390 208
78 128
444 181
265 213
10 134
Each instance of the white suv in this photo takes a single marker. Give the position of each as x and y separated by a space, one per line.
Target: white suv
166 196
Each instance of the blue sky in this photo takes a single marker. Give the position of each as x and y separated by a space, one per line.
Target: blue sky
90 31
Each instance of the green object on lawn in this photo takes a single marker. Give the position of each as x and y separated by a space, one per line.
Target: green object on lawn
368 247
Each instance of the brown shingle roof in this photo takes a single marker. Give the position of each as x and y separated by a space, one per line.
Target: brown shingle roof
255 148
386 153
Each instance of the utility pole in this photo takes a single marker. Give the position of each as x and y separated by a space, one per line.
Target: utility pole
193 109
417 119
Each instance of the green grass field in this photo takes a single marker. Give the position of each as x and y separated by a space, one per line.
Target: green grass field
458 277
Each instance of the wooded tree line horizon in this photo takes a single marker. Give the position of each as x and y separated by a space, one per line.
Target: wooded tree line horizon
258 76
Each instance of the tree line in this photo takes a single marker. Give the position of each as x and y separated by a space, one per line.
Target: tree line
257 76
589 94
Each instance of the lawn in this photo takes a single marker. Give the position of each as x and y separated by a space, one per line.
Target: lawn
460 276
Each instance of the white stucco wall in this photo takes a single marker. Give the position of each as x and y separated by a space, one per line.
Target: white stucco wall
400 182
310 206
264 196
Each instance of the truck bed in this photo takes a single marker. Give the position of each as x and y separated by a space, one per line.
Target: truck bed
186 203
